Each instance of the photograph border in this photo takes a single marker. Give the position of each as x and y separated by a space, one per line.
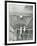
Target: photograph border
6 22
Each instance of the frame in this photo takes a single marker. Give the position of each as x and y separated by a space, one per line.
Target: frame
7 26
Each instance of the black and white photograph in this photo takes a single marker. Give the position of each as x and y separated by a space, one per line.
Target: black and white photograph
20 22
